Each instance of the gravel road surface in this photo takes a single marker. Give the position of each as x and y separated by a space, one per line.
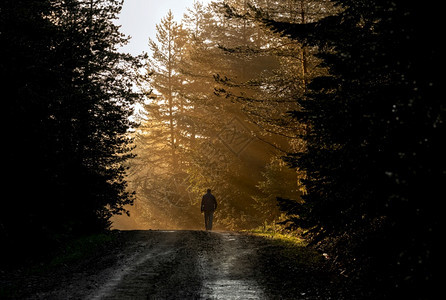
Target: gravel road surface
186 265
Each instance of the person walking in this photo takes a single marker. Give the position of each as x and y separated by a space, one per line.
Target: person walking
208 206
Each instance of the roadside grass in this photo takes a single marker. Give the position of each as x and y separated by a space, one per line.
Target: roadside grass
292 247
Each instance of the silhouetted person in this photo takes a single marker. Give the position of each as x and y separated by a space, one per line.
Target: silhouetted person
208 206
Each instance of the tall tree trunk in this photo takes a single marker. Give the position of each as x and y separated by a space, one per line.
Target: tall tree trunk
304 50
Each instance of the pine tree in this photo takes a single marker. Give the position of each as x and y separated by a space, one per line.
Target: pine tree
280 69
373 159
164 132
71 99
165 78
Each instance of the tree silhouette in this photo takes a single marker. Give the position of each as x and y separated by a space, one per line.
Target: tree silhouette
374 156
68 100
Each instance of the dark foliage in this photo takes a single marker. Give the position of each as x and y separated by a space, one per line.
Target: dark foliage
375 157
66 100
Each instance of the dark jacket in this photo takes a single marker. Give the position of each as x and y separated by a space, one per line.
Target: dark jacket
208 203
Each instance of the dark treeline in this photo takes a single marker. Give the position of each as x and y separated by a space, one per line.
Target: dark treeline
66 95
375 154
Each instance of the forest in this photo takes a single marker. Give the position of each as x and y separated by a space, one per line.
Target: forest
319 118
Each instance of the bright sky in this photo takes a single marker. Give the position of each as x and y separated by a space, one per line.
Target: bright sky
139 17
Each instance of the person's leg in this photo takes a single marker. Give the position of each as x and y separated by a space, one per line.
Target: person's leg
206 220
211 217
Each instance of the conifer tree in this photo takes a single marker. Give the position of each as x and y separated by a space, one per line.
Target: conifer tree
229 68
282 68
165 80
164 131
374 155
70 97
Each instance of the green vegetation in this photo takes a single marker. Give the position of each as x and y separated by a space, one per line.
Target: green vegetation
293 248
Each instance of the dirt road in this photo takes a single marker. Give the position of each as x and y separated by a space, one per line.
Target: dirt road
184 265
190 265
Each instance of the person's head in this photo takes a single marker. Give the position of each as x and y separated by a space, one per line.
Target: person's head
209 191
